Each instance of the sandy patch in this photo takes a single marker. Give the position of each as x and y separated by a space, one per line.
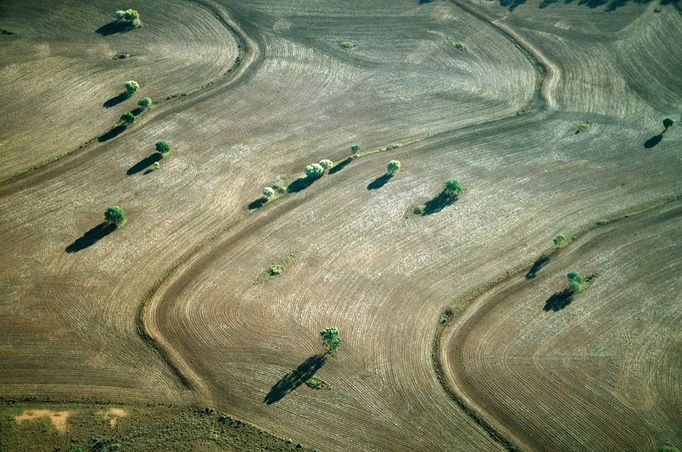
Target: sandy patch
113 415
57 418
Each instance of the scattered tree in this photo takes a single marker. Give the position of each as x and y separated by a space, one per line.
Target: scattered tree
268 192
393 167
453 187
575 282
127 118
559 239
314 171
145 103
128 17
667 123
326 164
162 148
355 149
157 165
131 87
331 339
116 216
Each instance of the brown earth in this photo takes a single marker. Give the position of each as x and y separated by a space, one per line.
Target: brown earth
164 310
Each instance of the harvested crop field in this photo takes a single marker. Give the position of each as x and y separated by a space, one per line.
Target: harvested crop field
213 296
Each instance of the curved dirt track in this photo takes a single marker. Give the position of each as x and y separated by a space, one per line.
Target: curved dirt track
602 363
192 250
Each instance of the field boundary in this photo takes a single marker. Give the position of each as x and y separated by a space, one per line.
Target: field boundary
458 306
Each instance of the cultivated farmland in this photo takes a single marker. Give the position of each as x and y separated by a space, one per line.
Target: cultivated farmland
201 302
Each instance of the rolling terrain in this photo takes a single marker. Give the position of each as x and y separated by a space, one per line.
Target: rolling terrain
172 309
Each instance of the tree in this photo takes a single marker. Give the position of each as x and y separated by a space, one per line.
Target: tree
326 164
116 216
575 282
453 187
127 118
393 167
314 171
131 87
355 149
559 239
128 17
331 339
162 148
145 103
667 123
268 192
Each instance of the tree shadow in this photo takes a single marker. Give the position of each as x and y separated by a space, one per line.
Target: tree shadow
117 99
258 203
537 266
379 182
138 111
339 166
144 163
558 301
113 133
653 141
114 27
300 184
438 203
91 237
511 5
295 378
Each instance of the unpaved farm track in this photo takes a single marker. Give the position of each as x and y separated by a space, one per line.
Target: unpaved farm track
181 273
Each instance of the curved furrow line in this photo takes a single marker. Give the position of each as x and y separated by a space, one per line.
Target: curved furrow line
463 307
247 62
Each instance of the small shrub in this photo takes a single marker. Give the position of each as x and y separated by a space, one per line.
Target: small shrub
128 17
453 187
456 44
127 118
162 147
157 165
447 315
419 210
115 215
268 192
275 269
331 339
314 171
575 282
145 103
326 164
317 383
131 87
559 239
667 123
348 44
355 149
393 167
584 127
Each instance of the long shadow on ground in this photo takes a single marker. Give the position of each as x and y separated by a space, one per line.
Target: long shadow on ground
300 184
439 203
114 27
113 133
537 266
379 182
115 100
144 163
653 141
295 378
339 166
258 203
558 301
91 237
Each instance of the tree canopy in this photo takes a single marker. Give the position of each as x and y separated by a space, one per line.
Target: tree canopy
127 118
393 167
162 147
145 102
331 339
128 16
453 187
314 171
559 239
131 87
115 215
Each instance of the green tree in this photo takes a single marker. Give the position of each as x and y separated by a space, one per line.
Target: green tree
559 239
575 282
331 339
127 118
393 167
326 164
667 123
128 17
131 87
116 216
145 103
314 171
355 149
453 187
268 192
162 148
